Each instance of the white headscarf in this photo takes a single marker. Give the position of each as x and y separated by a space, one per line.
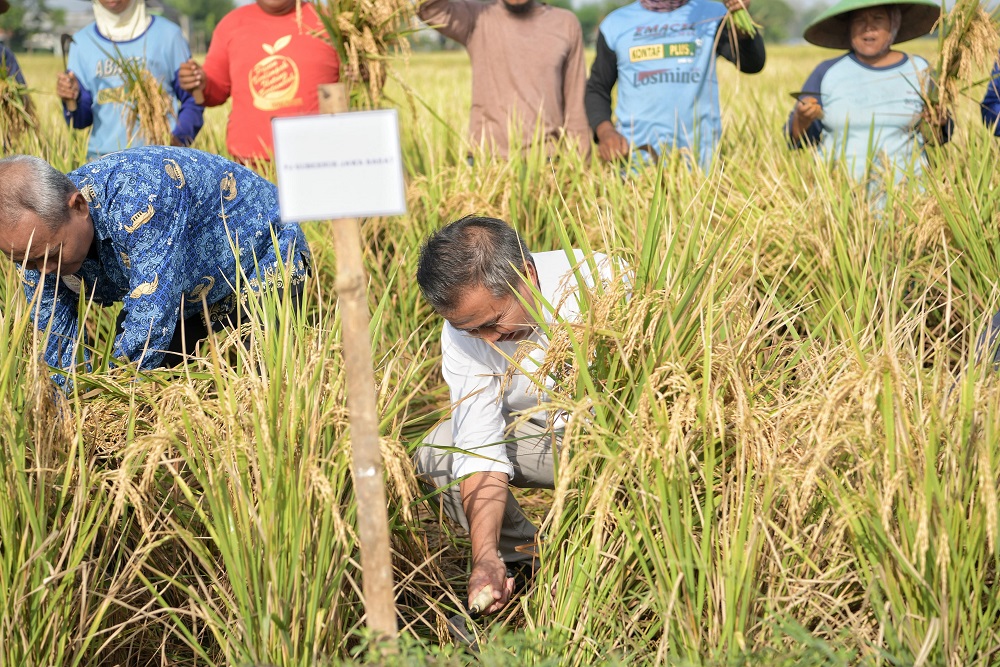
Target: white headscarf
130 24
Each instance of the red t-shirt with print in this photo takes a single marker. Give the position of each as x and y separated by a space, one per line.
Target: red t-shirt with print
270 66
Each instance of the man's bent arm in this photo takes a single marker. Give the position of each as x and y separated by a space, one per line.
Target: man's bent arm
455 19
750 55
484 498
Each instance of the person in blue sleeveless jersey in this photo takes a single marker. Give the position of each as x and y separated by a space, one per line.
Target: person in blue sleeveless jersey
158 229
866 107
661 54
92 90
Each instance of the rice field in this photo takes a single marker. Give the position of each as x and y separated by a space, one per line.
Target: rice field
782 447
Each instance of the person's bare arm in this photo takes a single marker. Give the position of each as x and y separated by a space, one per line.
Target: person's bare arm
484 497
454 19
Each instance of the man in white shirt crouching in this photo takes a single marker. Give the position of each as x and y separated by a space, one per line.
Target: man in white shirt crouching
480 277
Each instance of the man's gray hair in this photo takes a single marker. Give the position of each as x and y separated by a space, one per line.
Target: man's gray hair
469 253
30 184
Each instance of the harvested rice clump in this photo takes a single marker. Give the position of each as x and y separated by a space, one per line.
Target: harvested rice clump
17 113
148 106
366 33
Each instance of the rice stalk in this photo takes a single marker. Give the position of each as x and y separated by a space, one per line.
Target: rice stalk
367 34
968 40
742 21
17 112
148 107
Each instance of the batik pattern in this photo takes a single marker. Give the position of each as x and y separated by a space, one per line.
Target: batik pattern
172 226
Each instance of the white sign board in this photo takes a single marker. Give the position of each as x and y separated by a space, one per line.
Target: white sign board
339 165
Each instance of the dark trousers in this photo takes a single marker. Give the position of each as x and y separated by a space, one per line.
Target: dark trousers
192 330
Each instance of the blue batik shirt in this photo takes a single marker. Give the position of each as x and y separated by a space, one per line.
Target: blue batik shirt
169 224
870 114
668 91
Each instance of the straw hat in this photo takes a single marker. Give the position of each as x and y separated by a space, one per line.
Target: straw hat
832 28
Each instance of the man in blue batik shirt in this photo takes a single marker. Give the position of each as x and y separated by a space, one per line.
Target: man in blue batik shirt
158 229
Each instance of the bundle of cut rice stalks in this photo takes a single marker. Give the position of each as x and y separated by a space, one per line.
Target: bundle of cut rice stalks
742 23
148 107
17 112
366 33
967 47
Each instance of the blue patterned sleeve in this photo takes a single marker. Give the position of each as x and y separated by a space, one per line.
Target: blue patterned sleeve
55 312
154 222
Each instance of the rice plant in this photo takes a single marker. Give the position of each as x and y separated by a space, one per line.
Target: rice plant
968 40
368 35
782 446
148 107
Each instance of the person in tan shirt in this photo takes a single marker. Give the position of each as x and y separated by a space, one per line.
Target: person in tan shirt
527 68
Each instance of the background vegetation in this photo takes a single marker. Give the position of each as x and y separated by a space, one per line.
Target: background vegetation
782 450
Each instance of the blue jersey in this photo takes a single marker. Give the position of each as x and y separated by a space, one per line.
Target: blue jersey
169 224
161 49
870 114
668 92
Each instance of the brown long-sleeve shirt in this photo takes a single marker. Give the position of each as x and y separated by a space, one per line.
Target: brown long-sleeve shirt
526 69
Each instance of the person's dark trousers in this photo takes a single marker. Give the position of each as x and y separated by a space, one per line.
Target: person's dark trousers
192 330
987 349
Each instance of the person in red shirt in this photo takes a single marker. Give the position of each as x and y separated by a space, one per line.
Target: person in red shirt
270 65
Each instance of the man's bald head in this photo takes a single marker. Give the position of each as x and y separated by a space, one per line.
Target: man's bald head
30 184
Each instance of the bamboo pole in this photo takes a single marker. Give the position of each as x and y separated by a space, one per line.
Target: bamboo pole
366 458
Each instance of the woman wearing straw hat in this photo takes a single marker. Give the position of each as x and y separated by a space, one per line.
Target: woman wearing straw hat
866 106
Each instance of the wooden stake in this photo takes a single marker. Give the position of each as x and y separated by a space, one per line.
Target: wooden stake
373 520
